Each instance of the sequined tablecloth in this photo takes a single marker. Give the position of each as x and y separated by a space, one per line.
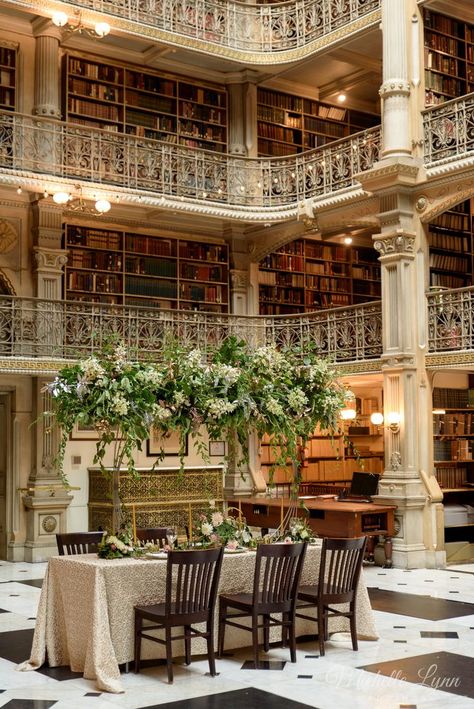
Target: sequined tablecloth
85 616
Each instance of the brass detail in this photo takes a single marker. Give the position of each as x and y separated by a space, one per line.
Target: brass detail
49 524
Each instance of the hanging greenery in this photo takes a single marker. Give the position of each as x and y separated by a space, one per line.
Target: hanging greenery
278 393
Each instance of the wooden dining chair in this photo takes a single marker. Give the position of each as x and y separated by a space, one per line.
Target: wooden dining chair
78 542
155 535
192 578
339 573
277 574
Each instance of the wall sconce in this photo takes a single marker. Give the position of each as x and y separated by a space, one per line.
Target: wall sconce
347 414
392 420
100 29
77 204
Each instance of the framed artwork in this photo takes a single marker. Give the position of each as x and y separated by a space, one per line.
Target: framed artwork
83 432
169 443
217 448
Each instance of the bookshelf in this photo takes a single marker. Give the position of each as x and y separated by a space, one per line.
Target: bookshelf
450 240
453 442
125 268
288 124
126 99
308 275
449 58
8 66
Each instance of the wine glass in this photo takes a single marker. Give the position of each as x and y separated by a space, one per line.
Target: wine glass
171 536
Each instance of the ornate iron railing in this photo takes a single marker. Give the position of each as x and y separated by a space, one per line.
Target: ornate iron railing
449 131
34 328
244 28
451 320
31 147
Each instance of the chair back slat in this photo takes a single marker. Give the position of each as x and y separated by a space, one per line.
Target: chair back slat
154 535
192 578
73 543
277 572
341 562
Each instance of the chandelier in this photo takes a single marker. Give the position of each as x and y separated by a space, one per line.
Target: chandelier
78 204
100 29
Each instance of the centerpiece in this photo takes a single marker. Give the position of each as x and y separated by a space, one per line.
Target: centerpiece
214 527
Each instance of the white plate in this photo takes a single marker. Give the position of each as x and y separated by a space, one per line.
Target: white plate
234 551
156 555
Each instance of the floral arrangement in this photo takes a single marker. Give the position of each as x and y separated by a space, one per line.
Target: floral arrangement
231 392
213 527
299 530
116 546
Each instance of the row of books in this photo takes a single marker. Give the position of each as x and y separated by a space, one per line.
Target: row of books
144 132
202 252
280 294
148 82
278 308
447 398
326 252
286 262
453 220
148 120
7 78
447 262
202 95
337 130
441 62
151 287
92 70
202 273
267 147
7 97
272 98
210 294
363 287
442 23
7 57
151 266
442 43
329 284
444 84
98 260
450 242
95 110
370 272
91 89
151 102
269 113
77 280
451 477
447 280
150 245
315 140
273 278
202 113
286 135
217 147
94 238
314 108
461 449
202 130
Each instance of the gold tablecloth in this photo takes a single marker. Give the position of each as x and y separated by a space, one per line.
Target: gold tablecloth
85 616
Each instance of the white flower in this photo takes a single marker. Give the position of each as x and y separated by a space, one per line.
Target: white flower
92 369
161 413
246 536
304 534
220 407
297 399
274 406
206 528
217 518
119 405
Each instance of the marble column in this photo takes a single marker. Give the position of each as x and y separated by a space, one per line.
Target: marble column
47 72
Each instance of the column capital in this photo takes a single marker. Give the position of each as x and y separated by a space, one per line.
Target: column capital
44 27
239 279
50 260
399 242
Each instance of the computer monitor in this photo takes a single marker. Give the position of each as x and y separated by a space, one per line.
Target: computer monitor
364 484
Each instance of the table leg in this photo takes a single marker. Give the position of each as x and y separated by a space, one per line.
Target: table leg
370 549
388 547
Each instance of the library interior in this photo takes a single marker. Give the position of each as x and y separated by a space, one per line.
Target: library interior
294 174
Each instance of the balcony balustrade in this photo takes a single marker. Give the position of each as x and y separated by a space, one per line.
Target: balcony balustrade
451 320
34 149
32 328
246 32
449 132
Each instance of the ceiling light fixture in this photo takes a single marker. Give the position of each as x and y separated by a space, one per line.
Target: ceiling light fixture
341 97
100 29
348 240
78 204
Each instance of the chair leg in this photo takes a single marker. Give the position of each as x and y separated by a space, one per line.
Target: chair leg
255 640
138 642
292 631
352 619
321 628
284 629
266 633
169 656
221 629
210 648
187 644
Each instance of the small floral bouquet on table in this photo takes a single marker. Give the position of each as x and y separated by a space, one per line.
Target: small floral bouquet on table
298 531
214 527
116 546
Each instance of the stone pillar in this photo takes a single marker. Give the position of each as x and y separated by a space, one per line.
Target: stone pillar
395 89
47 74
46 500
242 115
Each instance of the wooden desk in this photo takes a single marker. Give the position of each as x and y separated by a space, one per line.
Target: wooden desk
327 518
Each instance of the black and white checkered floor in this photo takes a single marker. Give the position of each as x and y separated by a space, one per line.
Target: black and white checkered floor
424 658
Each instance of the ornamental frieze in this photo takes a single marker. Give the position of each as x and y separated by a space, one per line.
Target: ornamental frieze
399 243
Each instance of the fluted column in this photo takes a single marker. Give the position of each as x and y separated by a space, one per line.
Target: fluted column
395 89
47 74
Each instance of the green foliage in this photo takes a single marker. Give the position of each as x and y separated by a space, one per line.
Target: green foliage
238 390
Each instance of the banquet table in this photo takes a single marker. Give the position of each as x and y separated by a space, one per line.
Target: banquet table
85 616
